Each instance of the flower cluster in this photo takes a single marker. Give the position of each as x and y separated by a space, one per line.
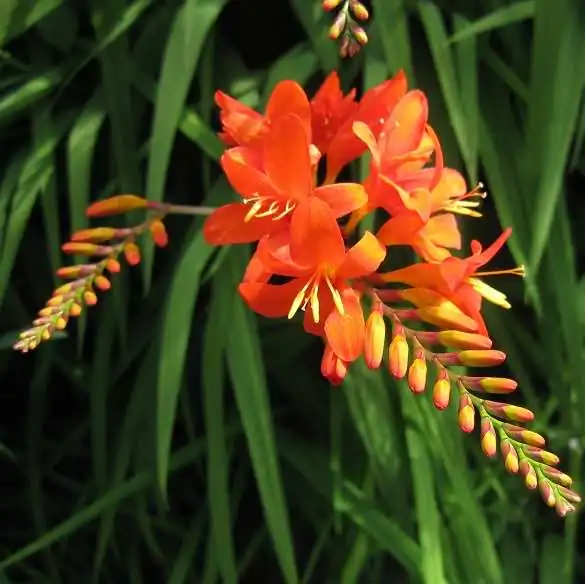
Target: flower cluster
313 256
346 27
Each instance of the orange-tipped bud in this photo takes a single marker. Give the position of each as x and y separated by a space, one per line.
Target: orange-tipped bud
556 475
466 413
508 412
89 297
158 231
329 5
541 455
96 235
61 323
501 385
113 265
398 353
75 309
88 249
510 456
481 358
359 10
132 253
529 474
359 34
461 340
375 339
78 271
522 435
488 438
116 205
547 493
417 372
338 26
442 390
448 316
102 283
332 367
57 300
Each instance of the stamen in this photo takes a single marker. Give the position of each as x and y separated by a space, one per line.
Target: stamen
518 271
490 294
253 211
300 299
336 296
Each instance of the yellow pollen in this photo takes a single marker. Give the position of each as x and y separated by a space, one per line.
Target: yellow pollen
266 207
309 296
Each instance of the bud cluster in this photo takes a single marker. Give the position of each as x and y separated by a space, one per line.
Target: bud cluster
410 352
105 245
346 26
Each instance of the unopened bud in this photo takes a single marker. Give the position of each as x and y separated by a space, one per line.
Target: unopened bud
488 438
482 358
541 455
374 339
510 456
529 474
338 26
332 367
329 5
466 413
359 10
398 353
442 390
522 435
508 412
461 340
417 373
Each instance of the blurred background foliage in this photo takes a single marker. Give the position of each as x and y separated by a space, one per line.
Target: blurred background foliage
173 437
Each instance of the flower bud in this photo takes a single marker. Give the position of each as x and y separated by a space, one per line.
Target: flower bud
116 205
132 253
417 373
529 474
547 493
466 413
481 358
398 353
556 475
374 339
102 283
522 435
88 249
96 235
359 34
510 456
442 390
569 495
329 5
461 340
158 232
541 455
332 367
359 10
338 26
449 316
508 412
488 438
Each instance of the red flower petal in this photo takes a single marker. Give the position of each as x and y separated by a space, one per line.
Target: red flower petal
315 236
346 333
288 97
227 225
286 158
270 300
243 169
363 258
342 198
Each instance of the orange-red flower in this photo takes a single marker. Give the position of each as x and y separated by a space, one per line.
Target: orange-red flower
314 257
275 182
456 280
244 126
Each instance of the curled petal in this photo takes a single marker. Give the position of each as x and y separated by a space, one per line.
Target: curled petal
342 198
346 333
363 258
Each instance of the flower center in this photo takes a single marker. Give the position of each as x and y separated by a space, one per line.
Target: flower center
268 207
309 295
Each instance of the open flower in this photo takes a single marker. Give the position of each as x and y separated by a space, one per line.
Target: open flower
320 268
456 280
274 183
